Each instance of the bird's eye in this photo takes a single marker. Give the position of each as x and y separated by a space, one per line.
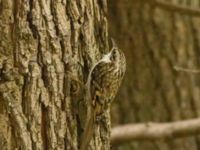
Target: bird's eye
113 56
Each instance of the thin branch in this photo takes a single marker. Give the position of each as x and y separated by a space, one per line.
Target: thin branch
153 131
175 7
186 69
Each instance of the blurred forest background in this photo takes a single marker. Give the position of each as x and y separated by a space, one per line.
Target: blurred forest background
156 39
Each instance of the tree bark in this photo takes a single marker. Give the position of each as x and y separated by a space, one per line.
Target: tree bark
47 48
155 39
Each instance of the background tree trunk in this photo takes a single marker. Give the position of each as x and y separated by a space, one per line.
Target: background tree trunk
47 48
155 40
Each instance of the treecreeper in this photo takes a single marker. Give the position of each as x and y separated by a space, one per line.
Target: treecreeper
103 82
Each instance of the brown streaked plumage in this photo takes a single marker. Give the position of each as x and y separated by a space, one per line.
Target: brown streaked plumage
106 79
103 83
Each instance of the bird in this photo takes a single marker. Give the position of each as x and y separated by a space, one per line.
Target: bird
102 85
106 78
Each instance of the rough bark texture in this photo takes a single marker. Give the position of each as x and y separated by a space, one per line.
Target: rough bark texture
47 48
155 40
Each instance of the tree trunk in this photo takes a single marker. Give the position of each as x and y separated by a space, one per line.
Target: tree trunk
47 48
155 40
